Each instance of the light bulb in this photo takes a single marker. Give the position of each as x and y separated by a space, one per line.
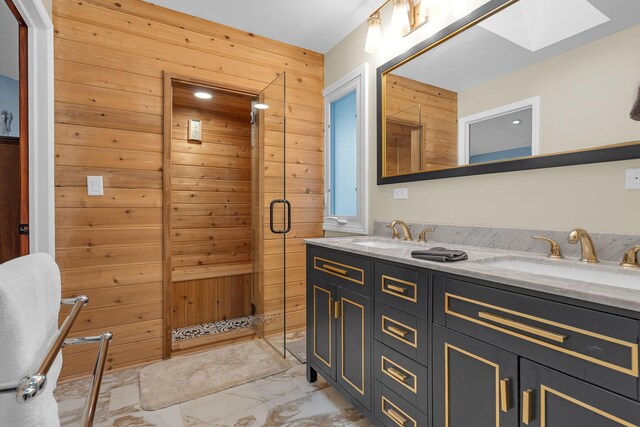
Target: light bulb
374 35
400 18
203 95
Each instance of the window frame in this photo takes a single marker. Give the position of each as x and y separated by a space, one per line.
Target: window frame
465 123
355 80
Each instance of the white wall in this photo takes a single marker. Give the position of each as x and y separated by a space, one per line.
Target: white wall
585 94
591 196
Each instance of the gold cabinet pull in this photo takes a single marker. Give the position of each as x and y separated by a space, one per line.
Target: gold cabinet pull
335 269
336 309
398 289
396 374
527 413
397 331
505 385
399 419
523 327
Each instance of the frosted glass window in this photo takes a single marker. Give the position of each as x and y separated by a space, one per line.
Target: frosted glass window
345 154
344 180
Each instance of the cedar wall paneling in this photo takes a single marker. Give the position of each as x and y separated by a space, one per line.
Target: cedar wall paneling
216 204
209 300
109 62
439 108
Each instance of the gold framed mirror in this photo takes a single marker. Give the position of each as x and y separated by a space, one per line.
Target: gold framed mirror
514 85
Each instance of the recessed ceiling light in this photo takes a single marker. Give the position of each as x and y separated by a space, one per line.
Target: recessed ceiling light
516 122
203 95
261 106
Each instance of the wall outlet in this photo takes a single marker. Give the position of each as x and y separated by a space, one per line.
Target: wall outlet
400 193
632 179
94 186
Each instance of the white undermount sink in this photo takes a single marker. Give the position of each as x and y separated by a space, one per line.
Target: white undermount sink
594 273
380 244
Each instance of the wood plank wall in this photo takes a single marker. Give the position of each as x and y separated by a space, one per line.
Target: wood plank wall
211 207
211 188
439 111
210 300
110 57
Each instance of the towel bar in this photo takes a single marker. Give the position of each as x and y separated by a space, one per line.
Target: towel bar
32 385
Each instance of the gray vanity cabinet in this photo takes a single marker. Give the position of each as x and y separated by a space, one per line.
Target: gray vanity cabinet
354 345
552 399
414 347
321 327
339 321
477 383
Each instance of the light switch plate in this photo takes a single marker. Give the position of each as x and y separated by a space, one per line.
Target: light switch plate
94 186
400 193
632 179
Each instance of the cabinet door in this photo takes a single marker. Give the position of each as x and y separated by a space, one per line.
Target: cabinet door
475 384
552 399
321 348
354 345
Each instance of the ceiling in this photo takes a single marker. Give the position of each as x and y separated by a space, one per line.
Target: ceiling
8 43
491 55
317 25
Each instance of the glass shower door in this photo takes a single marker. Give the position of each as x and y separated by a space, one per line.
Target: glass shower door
271 213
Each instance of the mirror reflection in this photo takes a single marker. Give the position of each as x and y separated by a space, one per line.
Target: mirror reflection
537 78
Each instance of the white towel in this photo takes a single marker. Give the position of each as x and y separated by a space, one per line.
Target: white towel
29 306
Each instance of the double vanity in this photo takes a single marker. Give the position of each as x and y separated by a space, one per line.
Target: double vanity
506 338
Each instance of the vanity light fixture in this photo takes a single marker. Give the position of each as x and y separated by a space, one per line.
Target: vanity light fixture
400 19
261 106
374 35
408 16
516 122
203 95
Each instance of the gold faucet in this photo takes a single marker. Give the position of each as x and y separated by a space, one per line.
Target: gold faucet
405 230
630 259
422 237
586 244
554 251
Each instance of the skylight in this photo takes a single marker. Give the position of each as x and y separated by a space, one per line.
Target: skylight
536 24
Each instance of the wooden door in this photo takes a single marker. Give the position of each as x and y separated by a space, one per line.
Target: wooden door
354 345
321 327
552 399
10 198
475 384
18 182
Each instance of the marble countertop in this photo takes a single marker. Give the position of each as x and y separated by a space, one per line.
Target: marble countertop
627 298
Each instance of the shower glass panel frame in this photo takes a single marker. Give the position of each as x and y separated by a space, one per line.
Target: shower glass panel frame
271 213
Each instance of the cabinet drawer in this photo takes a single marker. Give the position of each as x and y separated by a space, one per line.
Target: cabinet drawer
599 347
352 273
402 288
404 376
401 331
393 411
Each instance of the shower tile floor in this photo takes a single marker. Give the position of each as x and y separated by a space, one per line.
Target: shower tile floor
285 399
218 327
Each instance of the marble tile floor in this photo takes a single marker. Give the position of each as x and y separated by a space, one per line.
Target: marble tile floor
285 399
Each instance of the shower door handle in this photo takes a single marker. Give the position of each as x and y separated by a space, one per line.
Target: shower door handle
271 206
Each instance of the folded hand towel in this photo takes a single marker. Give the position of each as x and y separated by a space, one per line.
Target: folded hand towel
29 307
440 255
